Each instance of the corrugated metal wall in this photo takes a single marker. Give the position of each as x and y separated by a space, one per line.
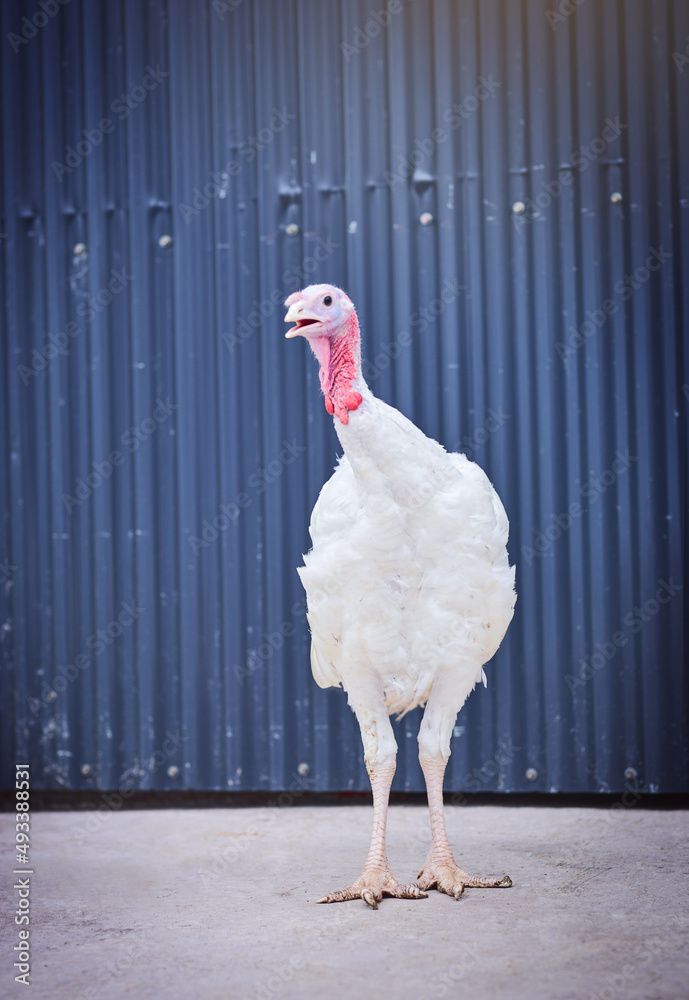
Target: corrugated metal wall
171 170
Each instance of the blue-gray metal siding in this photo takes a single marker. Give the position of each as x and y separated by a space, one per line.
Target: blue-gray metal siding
242 119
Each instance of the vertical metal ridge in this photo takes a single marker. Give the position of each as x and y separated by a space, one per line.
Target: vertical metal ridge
210 686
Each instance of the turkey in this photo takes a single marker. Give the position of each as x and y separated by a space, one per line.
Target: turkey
409 588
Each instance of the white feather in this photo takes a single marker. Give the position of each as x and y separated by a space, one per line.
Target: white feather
408 577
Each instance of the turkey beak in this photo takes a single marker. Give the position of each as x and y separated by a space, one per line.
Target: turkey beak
302 320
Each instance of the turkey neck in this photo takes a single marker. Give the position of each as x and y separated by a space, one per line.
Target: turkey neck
376 436
340 360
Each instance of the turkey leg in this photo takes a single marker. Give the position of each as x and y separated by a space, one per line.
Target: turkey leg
377 880
440 870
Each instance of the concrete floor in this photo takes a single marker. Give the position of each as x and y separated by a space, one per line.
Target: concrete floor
220 904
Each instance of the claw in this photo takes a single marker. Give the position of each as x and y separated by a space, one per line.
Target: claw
410 891
372 886
448 877
337 897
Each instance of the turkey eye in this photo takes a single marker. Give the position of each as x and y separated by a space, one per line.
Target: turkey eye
328 300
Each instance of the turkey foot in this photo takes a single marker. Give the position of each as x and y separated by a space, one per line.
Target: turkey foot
445 875
372 885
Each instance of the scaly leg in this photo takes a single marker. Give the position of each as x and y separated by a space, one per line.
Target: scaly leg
440 869
380 748
377 880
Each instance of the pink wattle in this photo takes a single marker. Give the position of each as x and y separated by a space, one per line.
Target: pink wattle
340 359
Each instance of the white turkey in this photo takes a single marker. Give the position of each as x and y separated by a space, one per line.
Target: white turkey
408 585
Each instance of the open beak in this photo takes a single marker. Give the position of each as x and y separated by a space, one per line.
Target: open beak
304 323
